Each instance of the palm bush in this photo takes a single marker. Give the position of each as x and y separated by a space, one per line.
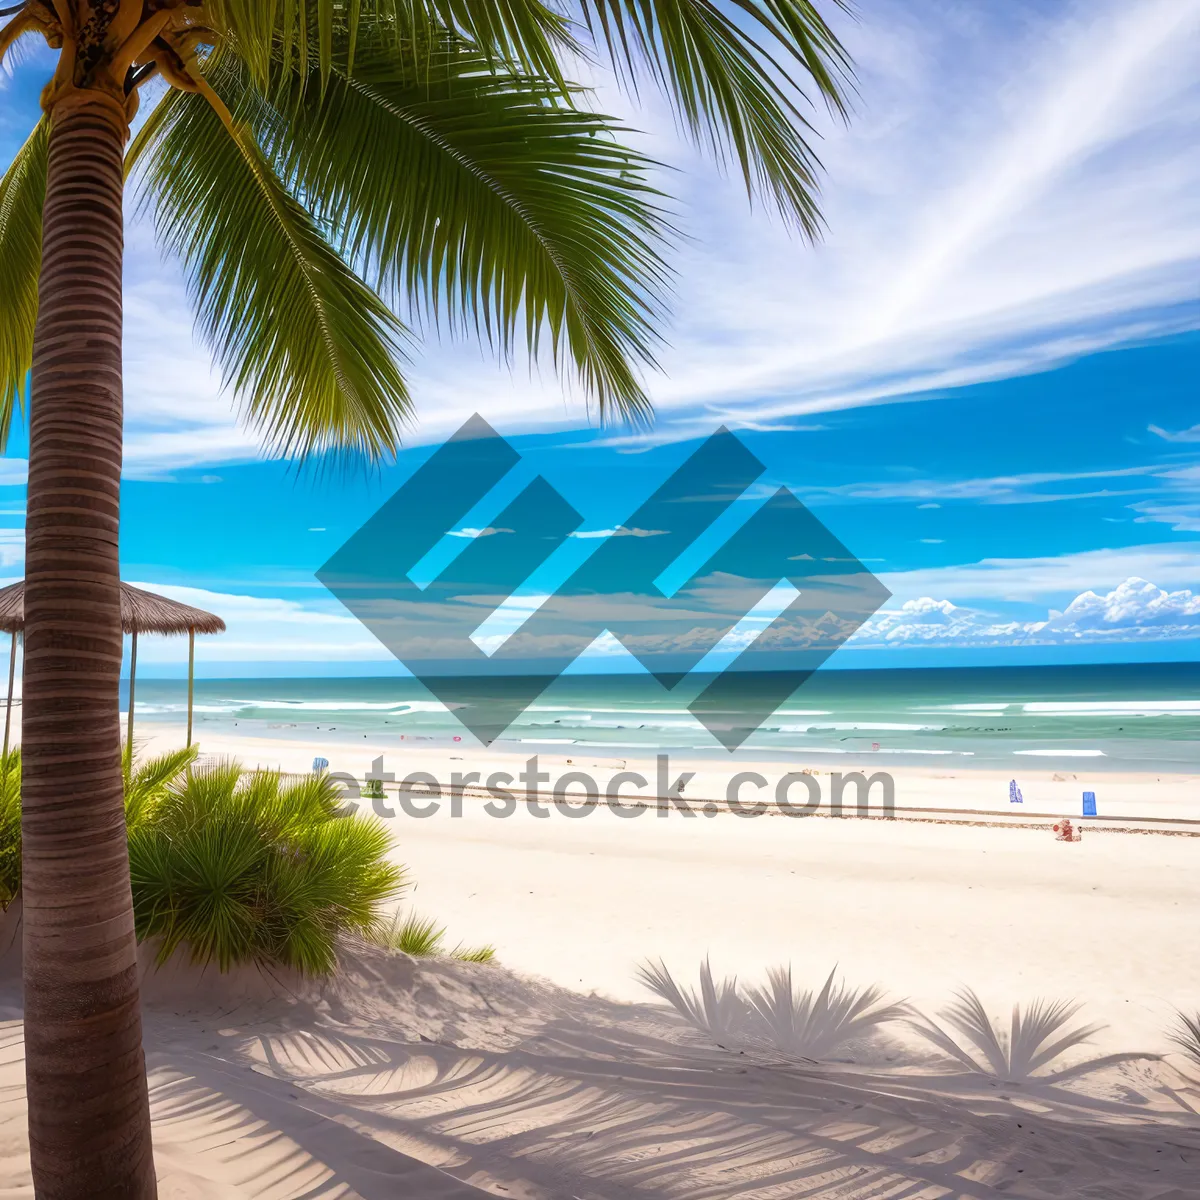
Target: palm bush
422 937
235 866
238 867
1037 1035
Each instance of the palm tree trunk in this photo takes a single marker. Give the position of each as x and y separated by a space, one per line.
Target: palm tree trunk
89 1121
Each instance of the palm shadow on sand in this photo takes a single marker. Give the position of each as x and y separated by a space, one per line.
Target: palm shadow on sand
519 1089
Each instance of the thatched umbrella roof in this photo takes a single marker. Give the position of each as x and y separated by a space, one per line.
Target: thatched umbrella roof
141 612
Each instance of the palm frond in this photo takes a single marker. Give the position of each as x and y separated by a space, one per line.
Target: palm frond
813 1024
148 783
11 33
10 827
490 199
308 348
1186 1035
422 937
22 193
419 937
735 73
717 1009
1036 1037
525 33
321 35
474 954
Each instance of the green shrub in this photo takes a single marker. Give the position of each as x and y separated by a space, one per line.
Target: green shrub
422 937
234 866
241 868
10 827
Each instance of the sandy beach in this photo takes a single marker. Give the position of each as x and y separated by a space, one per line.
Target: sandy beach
556 1074
922 906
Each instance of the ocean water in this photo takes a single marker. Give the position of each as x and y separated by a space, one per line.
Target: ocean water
1127 717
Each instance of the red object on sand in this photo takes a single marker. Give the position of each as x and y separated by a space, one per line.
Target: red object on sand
1064 831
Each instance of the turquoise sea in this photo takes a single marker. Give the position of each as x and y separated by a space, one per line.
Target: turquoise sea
1126 717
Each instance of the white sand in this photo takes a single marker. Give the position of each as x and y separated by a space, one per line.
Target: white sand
923 908
441 1081
522 1090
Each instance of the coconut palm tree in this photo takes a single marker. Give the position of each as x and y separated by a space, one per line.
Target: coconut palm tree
315 165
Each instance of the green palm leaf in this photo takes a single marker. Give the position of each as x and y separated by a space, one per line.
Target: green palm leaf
309 349
22 192
10 827
305 33
148 783
733 72
486 197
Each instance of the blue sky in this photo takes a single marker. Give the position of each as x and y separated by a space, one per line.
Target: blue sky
986 381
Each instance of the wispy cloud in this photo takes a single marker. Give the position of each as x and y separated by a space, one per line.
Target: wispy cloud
264 629
490 531
998 489
619 531
1183 518
1018 187
1182 435
12 547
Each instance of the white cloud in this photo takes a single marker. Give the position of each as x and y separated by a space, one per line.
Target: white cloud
619 531
1019 186
1183 518
1135 606
267 629
999 489
1135 610
12 548
14 472
264 629
477 533
1182 435
1046 578
1001 203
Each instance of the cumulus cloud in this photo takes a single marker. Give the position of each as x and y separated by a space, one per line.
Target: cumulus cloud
1135 610
1136 607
